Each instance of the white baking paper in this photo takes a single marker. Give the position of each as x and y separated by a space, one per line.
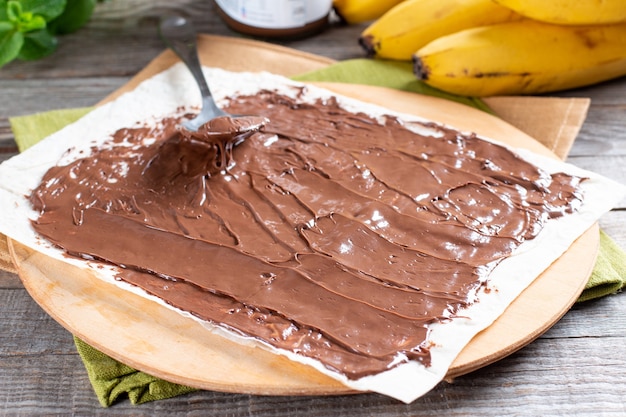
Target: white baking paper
168 92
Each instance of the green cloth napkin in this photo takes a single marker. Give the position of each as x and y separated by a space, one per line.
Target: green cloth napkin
391 74
30 129
112 380
609 273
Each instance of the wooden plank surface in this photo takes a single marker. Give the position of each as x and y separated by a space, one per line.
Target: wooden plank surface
576 368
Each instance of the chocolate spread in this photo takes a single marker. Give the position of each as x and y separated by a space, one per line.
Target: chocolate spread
222 134
333 235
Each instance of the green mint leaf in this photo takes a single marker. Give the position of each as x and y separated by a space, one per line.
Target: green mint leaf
14 11
30 23
48 9
11 42
76 14
37 45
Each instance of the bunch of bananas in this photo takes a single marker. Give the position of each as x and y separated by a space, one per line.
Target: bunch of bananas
497 47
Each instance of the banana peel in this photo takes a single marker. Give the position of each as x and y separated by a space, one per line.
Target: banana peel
526 57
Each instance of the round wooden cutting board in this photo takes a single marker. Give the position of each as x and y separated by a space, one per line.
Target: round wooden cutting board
152 338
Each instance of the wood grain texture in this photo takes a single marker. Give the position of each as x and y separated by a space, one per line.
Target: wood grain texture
571 379
577 368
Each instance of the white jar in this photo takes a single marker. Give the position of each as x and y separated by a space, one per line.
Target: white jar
275 18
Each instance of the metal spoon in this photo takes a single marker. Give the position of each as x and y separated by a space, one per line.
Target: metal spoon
179 35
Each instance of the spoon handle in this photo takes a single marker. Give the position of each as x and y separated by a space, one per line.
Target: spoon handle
180 36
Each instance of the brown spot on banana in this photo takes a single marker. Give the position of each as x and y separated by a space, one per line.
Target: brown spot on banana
499 74
369 45
420 69
587 40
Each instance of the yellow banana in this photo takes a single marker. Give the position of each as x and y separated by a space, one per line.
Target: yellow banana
570 12
358 11
526 57
414 23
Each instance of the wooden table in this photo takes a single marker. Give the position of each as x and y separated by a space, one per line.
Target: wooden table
576 368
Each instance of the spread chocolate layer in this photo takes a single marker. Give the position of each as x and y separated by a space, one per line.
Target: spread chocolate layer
331 234
222 134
